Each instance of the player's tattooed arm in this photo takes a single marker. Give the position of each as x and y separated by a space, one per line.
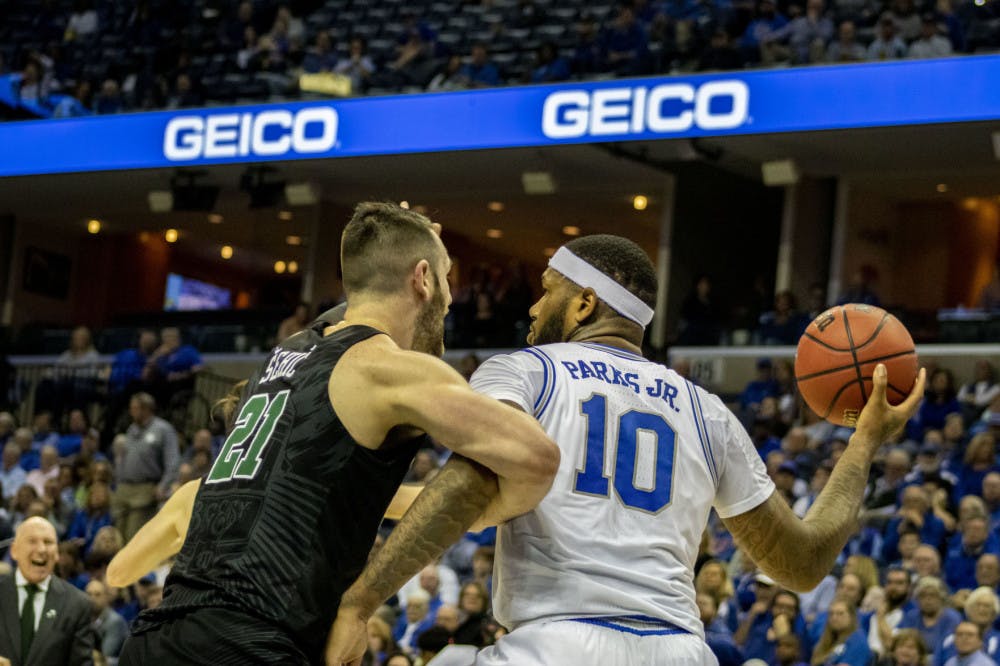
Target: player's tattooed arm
798 553
438 517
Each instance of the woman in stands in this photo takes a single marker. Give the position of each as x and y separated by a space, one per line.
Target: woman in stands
842 642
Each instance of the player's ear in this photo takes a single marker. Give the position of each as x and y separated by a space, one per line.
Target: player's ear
422 279
586 305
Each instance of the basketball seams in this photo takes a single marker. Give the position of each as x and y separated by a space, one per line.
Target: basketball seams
854 354
823 344
878 329
866 361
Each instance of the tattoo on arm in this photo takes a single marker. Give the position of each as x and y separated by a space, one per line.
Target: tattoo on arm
439 516
799 553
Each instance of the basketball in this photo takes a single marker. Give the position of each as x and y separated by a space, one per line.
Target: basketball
838 353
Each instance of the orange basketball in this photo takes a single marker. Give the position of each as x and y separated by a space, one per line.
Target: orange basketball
837 356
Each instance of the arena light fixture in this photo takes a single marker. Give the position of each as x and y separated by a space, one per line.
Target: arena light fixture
404 204
293 267
780 172
161 201
494 233
571 230
293 240
301 194
538 182
279 267
170 235
495 206
285 216
549 251
215 218
94 226
942 188
639 202
226 251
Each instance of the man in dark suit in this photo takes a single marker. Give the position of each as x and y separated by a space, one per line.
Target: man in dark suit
44 621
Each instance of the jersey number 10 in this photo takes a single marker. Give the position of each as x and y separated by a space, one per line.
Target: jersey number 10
257 419
591 480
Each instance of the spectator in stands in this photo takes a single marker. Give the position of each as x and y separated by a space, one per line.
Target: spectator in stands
761 29
846 48
915 512
549 65
106 545
887 45
764 386
816 484
88 521
128 364
414 56
357 65
624 41
932 618
148 466
109 100
184 94
414 621
806 36
717 635
980 392
939 402
981 609
907 20
297 321
48 469
860 290
885 491
109 627
965 549
988 572
321 57
70 442
399 659
842 641
784 325
295 28
480 72
700 323
713 580
991 498
425 463
890 612
930 43
989 297
980 459
32 86
173 365
720 54
12 475
83 22
474 603
449 76
907 649
969 647
587 55
774 614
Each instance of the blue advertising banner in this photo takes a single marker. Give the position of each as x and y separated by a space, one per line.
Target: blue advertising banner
962 89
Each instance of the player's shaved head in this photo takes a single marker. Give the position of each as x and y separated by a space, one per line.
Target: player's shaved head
380 246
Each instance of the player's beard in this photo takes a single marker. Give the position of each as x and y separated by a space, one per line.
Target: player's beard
428 336
550 329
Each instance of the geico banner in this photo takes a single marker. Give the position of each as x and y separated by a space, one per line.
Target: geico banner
950 90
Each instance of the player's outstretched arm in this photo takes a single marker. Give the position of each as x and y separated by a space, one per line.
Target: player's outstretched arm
158 540
798 553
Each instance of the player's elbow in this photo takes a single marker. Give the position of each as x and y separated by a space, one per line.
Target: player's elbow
541 460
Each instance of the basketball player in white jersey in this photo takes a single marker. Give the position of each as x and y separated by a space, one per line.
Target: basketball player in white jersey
601 572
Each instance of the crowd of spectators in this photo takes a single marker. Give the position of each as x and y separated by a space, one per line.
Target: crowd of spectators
69 58
916 584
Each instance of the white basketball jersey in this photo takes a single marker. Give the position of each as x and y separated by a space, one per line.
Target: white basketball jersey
645 456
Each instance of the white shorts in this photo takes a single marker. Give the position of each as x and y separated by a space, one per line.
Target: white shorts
575 643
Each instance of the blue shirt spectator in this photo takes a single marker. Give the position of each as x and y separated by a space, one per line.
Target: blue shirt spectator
765 386
587 54
991 647
784 325
625 43
978 461
550 65
759 642
932 618
939 402
964 551
915 513
12 475
480 72
128 364
87 521
852 652
767 22
174 360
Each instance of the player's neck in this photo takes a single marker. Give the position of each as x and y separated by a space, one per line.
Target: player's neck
610 334
386 316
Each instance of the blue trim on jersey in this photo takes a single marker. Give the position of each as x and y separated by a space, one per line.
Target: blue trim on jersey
609 623
615 351
701 437
545 380
544 358
704 426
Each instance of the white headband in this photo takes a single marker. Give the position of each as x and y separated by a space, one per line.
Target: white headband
618 298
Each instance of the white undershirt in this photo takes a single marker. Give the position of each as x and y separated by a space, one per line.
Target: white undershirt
22 595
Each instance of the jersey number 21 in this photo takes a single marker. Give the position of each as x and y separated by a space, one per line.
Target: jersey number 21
257 419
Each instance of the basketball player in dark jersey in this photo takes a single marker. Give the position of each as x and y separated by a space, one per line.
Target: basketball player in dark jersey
323 436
